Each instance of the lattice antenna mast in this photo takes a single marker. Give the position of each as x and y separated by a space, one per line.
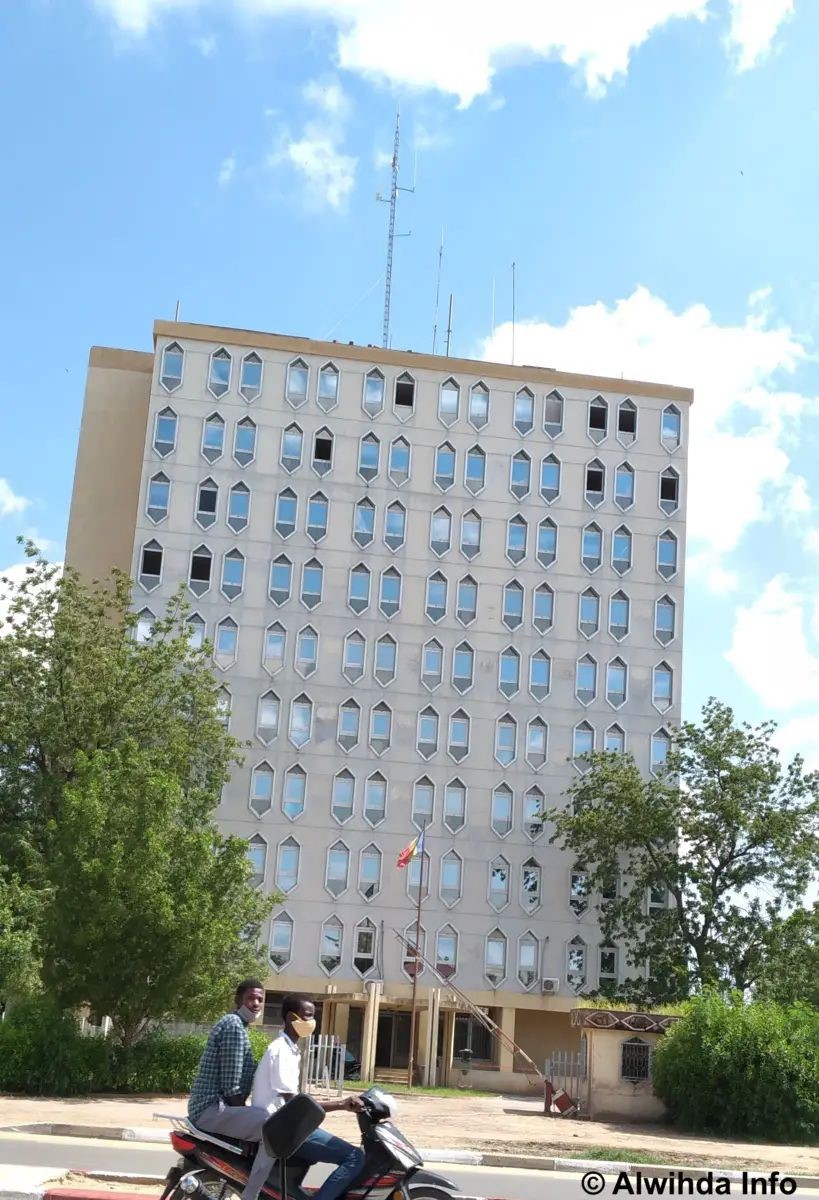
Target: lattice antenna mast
392 235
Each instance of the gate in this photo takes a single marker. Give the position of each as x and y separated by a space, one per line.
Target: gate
323 1065
566 1092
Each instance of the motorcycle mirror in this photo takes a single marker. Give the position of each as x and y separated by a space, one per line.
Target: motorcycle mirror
291 1125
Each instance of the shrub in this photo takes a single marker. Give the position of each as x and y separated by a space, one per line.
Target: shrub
748 1070
43 1053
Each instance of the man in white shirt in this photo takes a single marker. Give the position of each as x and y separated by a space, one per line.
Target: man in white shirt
277 1080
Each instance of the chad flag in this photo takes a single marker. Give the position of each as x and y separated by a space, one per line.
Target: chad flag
413 850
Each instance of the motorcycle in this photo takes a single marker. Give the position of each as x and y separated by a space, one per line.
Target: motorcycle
213 1167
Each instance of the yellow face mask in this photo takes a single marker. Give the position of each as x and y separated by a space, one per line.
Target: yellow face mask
301 1026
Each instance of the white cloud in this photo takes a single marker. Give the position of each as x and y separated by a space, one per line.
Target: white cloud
206 45
771 650
754 25
457 47
329 175
317 154
800 735
734 370
10 502
227 169
10 580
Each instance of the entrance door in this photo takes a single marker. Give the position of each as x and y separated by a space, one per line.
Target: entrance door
392 1042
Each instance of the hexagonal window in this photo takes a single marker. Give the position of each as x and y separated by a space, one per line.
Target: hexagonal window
267 717
463 668
364 522
423 802
327 397
399 465
318 508
624 485
589 616
449 402
165 427
619 616
358 589
395 525
495 958
219 373
349 725
512 611
369 457
353 662
287 511
332 941
440 532
404 396
553 415
466 606
669 490
427 734
455 805
375 799
298 379
667 554
616 683
226 643
537 743
444 467
543 608
471 528
415 940
520 474
595 487
517 535
451 883
274 648
592 547
550 478
337 869
530 886
627 422
475 470
173 361
478 405
509 672
281 941
238 507
506 740
323 444
586 679
386 659
369 872
534 803
622 550
665 620
257 857
432 664
213 437
294 793
261 788
671 428
446 952
233 574
598 419
502 810
292 448
301 721
250 380
540 675
158 499
389 592
342 801
582 746
546 552
662 687
380 728
436 600
307 646
288 860
244 442
528 960
281 580
372 400
457 745
364 945
524 419
615 740
499 883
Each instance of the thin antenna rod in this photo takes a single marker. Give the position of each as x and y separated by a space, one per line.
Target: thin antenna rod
176 313
513 314
449 326
438 292
391 235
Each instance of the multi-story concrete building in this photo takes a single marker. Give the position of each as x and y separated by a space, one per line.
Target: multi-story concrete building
432 585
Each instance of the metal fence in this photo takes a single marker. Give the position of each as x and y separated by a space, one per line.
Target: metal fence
566 1071
322 1065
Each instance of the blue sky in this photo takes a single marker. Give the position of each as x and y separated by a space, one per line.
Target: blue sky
651 168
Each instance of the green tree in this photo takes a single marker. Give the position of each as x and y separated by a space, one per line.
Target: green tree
113 755
154 915
724 841
790 973
73 679
20 912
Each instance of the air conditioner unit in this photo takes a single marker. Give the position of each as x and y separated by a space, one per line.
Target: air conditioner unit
549 986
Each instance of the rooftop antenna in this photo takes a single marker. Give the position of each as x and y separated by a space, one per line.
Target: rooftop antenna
176 313
438 292
449 326
392 235
513 314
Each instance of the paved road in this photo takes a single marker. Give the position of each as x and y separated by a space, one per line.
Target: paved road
149 1159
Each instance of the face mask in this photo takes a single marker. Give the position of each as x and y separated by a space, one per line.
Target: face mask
301 1027
248 1016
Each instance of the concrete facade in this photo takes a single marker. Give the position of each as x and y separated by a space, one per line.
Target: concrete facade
504 902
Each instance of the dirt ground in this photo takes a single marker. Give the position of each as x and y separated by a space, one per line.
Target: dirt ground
497 1124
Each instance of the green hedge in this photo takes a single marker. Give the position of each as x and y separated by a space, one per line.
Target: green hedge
43 1053
748 1070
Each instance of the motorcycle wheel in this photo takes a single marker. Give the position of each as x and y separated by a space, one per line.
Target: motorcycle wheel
212 1185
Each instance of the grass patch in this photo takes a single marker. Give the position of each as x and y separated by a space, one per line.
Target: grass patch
647 1158
356 1085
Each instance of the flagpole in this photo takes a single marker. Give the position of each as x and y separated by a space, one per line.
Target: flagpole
413 1018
